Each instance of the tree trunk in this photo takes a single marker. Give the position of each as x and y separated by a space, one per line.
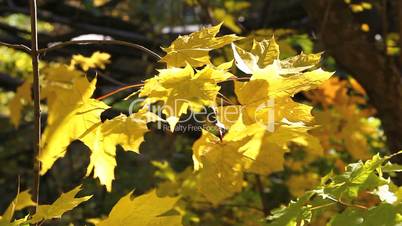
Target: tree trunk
353 50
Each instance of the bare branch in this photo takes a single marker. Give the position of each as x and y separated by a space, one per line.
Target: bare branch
101 42
17 46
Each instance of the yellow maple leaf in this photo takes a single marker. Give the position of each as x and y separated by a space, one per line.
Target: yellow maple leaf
263 152
71 113
194 48
96 60
261 55
21 201
266 52
53 77
267 97
74 115
144 210
220 167
180 89
102 139
66 202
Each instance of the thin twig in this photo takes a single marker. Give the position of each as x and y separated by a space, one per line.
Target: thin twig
36 95
17 46
119 90
110 79
347 204
260 188
101 42
322 206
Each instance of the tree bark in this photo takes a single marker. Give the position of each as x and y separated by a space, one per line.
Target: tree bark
342 37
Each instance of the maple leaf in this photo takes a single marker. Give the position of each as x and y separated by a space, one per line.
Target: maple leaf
66 202
96 60
219 165
269 92
266 52
102 139
181 89
53 77
21 201
71 113
194 48
263 152
145 210
261 55
74 115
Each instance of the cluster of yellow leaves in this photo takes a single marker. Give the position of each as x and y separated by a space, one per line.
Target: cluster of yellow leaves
54 76
250 146
126 212
344 125
74 115
66 202
267 120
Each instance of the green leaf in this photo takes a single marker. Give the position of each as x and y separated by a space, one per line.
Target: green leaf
295 213
382 215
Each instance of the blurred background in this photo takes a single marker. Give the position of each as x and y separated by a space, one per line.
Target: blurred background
360 109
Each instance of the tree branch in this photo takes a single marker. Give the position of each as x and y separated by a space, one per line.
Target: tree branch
101 42
17 46
36 98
